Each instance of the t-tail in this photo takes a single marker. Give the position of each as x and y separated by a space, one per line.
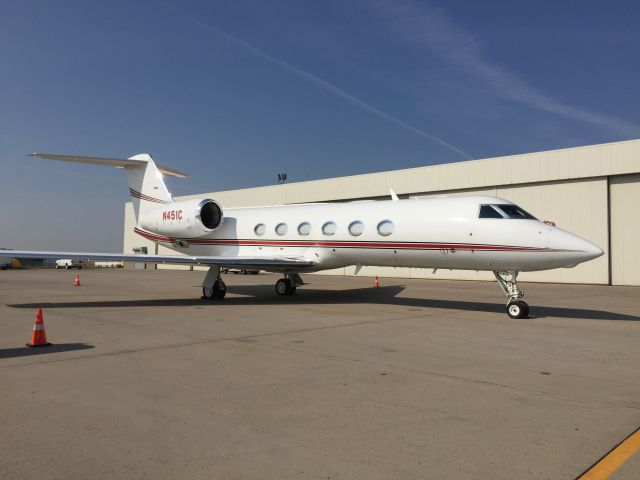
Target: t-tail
146 184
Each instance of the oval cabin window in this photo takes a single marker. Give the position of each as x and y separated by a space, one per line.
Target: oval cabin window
304 228
329 228
281 229
260 229
356 228
385 228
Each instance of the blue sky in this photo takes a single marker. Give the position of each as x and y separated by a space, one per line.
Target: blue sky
235 92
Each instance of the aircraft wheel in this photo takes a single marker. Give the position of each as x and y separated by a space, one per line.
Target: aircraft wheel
207 293
285 287
216 292
219 290
517 309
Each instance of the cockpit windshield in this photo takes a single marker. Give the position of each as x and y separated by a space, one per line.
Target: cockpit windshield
504 211
487 211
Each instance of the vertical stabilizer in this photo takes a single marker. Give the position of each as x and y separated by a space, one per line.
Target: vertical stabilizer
146 184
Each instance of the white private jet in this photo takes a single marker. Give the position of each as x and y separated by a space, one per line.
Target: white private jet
466 233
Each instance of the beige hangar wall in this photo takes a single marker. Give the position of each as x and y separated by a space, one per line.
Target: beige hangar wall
625 229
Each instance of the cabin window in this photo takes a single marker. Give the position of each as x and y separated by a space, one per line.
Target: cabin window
260 229
487 211
514 211
385 228
329 228
304 228
356 228
281 229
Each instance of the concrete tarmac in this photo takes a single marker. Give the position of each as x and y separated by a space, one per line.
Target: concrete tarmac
416 379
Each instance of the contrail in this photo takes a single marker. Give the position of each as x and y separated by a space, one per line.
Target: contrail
319 82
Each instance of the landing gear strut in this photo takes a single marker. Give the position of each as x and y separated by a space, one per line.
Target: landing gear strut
516 308
213 287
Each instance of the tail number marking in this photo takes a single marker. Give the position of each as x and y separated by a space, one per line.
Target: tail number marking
172 215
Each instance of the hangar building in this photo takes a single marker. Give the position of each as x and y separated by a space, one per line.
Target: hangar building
593 191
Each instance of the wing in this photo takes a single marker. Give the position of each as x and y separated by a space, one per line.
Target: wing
263 263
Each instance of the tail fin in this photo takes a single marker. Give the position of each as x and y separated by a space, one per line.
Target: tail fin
146 185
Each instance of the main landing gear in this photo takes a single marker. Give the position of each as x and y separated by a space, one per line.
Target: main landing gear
213 288
287 286
516 308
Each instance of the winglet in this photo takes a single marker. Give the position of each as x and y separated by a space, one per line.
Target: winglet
394 197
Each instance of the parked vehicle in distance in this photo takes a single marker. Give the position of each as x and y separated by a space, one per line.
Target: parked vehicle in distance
68 263
5 263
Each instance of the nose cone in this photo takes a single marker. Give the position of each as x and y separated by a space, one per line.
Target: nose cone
582 250
592 250
575 249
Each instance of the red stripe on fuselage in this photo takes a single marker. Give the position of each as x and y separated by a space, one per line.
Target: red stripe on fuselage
342 244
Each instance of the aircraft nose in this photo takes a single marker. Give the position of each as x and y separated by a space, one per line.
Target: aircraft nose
593 251
577 249
588 250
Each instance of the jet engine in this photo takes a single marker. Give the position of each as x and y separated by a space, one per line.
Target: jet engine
187 219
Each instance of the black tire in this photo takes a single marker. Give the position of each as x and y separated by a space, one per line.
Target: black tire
517 309
285 287
216 292
219 290
68 267
207 293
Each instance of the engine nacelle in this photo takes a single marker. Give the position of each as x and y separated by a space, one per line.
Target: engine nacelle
187 219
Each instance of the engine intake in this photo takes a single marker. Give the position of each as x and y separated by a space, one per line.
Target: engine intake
210 214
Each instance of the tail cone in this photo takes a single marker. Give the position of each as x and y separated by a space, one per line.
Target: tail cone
38 336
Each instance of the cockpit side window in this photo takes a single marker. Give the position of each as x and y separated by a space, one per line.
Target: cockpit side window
487 211
514 211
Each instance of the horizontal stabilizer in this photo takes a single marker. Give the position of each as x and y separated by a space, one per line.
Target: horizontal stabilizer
113 162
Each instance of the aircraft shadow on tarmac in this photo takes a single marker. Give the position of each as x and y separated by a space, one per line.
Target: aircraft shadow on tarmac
55 348
265 295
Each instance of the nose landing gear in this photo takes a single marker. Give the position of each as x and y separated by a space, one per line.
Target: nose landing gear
516 308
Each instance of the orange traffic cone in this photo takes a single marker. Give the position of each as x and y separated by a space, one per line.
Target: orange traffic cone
77 282
376 282
39 336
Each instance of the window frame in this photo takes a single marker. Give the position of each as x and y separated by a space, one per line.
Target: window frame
393 227
300 225
353 223
327 223
281 224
